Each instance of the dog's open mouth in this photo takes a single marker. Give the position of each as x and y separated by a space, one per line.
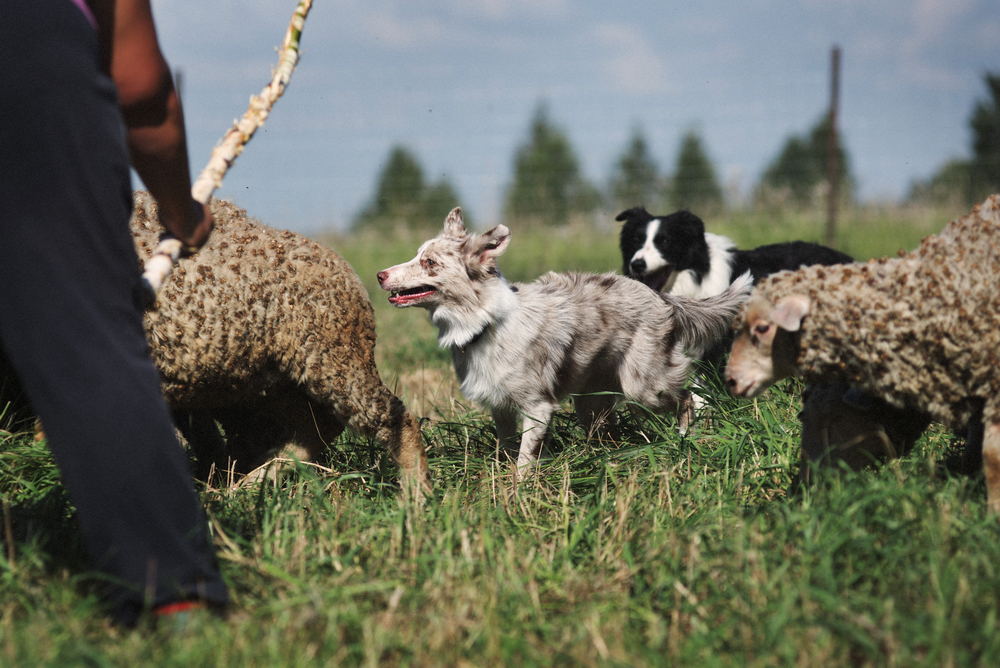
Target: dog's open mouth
410 296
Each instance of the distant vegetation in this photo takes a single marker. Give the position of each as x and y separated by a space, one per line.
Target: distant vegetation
798 176
970 180
547 185
403 198
694 184
636 180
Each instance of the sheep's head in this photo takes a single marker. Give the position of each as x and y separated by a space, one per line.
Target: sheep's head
766 344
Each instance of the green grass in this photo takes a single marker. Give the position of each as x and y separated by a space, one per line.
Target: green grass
653 550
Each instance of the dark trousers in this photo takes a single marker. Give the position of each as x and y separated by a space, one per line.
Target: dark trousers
70 317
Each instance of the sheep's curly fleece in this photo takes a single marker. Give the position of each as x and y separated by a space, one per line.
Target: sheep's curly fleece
921 331
276 321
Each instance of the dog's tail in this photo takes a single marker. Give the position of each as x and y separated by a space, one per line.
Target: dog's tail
702 322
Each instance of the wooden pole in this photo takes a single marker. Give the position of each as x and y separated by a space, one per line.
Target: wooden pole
158 267
232 143
832 168
179 84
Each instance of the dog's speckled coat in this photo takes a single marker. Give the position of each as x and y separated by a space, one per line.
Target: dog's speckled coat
520 349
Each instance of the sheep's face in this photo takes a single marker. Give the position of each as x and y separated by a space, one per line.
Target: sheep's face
766 347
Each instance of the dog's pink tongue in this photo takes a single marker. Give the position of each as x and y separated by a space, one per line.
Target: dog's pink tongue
406 299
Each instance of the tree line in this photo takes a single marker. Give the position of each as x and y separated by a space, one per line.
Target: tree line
548 186
966 181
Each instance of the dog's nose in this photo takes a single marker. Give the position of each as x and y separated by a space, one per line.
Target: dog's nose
638 267
381 276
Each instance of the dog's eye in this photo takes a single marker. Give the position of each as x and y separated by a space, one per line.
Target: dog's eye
761 329
429 262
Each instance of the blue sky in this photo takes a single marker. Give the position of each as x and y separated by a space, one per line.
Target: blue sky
457 82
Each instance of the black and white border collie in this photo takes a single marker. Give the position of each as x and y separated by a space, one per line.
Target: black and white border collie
674 254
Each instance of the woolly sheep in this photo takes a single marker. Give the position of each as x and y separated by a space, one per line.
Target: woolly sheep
273 335
921 331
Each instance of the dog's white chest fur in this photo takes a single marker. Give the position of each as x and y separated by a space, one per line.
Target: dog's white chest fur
476 359
685 283
475 366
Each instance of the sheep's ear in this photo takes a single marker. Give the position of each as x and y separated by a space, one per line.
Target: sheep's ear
790 311
454 226
490 244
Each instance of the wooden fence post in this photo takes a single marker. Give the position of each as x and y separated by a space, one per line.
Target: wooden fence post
832 168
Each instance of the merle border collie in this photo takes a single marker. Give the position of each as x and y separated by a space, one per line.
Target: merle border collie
520 349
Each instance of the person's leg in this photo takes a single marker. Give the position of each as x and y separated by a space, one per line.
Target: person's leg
70 319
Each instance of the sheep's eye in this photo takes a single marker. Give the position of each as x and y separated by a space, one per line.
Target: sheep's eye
761 329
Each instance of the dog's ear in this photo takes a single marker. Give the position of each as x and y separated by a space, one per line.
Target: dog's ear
454 226
636 213
490 244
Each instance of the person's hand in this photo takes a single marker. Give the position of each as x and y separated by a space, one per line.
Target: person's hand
194 229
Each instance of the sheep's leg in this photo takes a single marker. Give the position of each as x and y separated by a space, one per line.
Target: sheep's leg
400 431
337 370
371 409
991 465
313 429
972 453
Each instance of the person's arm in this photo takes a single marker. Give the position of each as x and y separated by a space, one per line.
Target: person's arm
153 116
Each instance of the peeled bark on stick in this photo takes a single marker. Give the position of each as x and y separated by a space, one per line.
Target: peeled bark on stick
157 269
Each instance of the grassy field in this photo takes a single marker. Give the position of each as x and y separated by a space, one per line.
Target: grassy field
655 550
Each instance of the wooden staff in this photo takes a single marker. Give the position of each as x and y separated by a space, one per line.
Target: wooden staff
158 267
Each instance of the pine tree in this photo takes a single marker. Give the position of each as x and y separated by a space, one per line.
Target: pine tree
636 181
548 186
404 199
801 167
438 200
969 181
985 124
694 184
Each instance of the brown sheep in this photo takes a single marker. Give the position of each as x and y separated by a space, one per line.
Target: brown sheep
921 331
273 335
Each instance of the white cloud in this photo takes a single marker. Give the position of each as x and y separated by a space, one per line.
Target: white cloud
934 20
497 10
628 62
936 28
390 29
